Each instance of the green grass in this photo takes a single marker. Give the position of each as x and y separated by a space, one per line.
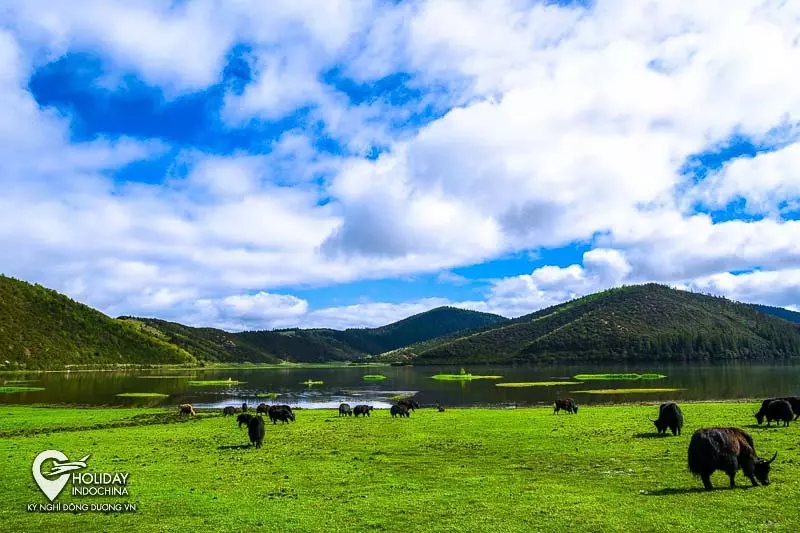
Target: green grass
464 470
398 397
626 391
615 377
311 382
373 377
18 381
8 389
270 395
462 377
538 384
214 382
161 377
142 395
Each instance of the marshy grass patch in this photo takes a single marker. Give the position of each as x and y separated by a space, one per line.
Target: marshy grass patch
311 382
628 391
462 377
18 381
373 377
9 389
161 377
268 395
142 395
403 396
615 377
537 384
214 382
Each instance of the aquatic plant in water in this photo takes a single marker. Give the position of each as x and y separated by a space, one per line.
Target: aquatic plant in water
462 377
538 384
10 389
142 395
373 377
626 391
621 377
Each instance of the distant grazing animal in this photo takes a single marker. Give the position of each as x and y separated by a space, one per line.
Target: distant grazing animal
244 418
362 410
186 409
409 403
280 413
399 409
255 429
228 411
244 407
794 401
669 416
726 449
262 408
567 404
441 409
344 410
778 410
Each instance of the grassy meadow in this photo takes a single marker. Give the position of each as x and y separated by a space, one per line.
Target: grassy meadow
603 469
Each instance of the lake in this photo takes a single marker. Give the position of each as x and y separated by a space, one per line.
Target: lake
700 382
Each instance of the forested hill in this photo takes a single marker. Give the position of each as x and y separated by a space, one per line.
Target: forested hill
316 345
40 328
643 322
780 312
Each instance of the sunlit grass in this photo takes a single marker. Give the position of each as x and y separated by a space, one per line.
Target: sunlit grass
538 384
311 382
214 382
13 388
161 377
269 395
373 377
609 377
462 377
142 395
626 391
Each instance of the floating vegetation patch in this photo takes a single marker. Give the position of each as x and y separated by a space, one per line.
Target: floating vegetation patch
311 382
270 395
627 391
610 377
17 381
161 377
462 377
9 389
214 382
398 397
538 384
142 395
373 377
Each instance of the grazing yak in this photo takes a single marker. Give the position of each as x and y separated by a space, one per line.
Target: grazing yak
794 402
669 416
399 409
244 418
567 404
262 409
244 407
726 449
409 403
186 409
344 410
778 410
362 410
255 429
441 409
280 412
228 411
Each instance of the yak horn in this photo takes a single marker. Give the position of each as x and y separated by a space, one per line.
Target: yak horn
773 458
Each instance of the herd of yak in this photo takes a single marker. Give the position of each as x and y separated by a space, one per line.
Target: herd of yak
710 449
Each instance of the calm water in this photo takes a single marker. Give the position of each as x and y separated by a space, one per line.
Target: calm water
710 382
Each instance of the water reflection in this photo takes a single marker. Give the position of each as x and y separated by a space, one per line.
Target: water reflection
702 382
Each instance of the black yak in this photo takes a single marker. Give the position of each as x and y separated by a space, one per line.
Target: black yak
344 410
244 418
399 409
244 407
228 411
441 409
279 412
669 416
255 429
186 409
794 402
362 410
567 404
409 403
262 408
778 410
726 449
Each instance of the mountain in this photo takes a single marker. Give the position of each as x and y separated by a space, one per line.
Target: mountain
780 312
643 322
316 345
40 328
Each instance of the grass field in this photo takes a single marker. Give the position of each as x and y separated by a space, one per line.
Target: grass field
462 470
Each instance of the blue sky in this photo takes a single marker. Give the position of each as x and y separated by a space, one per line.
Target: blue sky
269 165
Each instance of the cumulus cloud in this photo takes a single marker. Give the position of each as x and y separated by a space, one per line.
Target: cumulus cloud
560 125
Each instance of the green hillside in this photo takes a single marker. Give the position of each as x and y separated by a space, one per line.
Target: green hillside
40 328
644 322
780 312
